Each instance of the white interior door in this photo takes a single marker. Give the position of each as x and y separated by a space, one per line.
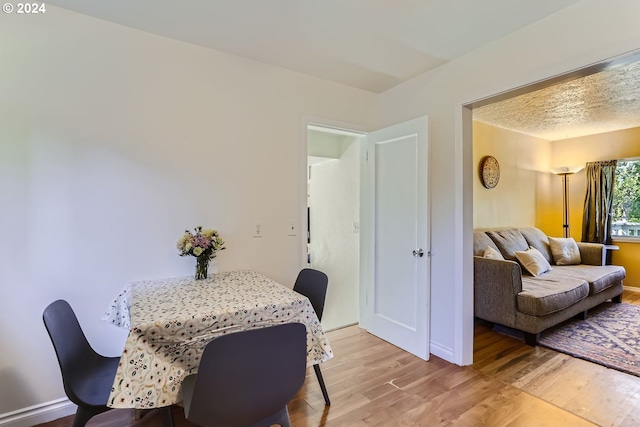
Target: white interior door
398 296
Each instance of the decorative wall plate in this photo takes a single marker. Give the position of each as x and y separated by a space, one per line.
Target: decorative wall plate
489 171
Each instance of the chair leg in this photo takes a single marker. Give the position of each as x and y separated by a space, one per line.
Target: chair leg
167 417
316 368
280 418
284 420
84 414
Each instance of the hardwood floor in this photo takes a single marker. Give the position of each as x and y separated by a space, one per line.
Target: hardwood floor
373 383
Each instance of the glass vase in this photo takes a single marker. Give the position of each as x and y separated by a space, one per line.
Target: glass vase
202 267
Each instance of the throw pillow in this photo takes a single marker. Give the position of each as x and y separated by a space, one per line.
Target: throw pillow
493 254
536 238
533 261
508 241
565 251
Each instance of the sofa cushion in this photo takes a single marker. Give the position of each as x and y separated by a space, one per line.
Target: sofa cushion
481 242
599 277
509 241
565 251
536 238
493 254
550 293
533 261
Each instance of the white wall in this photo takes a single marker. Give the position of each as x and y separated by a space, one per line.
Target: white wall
334 202
588 32
112 142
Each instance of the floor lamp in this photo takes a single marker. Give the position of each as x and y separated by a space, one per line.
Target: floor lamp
564 172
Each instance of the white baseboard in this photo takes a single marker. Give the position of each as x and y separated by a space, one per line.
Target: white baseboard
38 414
631 288
442 352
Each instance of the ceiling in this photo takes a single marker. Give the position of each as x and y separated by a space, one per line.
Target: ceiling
369 44
375 45
605 101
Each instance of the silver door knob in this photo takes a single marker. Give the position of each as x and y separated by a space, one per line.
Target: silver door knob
418 252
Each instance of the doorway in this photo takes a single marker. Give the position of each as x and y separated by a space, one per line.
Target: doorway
353 177
333 219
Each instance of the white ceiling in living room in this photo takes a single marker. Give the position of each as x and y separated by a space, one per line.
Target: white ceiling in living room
369 44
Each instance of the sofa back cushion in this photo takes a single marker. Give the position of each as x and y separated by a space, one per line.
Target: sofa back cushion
508 242
537 239
481 242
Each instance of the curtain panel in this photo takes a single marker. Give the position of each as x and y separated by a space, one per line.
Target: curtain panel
598 201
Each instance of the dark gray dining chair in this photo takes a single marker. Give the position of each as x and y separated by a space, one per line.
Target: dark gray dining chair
87 376
313 285
246 378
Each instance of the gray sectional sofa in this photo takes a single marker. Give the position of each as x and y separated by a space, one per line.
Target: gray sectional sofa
507 294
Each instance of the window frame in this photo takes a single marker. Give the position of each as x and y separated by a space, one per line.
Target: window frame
625 238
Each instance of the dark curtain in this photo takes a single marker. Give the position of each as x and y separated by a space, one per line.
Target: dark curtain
598 201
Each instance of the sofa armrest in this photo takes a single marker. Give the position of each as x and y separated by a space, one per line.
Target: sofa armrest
497 284
592 253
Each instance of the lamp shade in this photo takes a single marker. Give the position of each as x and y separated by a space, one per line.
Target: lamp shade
567 170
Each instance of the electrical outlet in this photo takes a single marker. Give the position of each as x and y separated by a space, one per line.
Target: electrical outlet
292 230
257 230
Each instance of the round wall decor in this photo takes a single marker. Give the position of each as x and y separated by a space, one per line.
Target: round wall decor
489 171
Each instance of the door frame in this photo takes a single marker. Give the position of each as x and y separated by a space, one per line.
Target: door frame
366 218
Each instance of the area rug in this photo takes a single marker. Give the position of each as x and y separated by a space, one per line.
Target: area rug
610 336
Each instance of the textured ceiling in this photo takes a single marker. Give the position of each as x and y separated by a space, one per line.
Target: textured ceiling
369 44
602 102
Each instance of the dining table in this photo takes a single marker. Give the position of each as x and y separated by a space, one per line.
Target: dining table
170 322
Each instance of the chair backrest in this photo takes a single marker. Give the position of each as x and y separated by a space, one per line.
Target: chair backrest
247 376
313 284
72 348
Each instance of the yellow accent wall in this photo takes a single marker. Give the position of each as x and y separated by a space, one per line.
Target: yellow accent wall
529 195
629 257
605 146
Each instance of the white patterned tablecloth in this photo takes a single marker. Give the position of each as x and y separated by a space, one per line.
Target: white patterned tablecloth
172 320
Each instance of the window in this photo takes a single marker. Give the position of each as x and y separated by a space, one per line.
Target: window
626 199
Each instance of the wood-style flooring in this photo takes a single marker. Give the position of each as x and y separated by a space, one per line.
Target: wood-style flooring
373 383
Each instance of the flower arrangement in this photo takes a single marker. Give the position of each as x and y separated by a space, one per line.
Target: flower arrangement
202 244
